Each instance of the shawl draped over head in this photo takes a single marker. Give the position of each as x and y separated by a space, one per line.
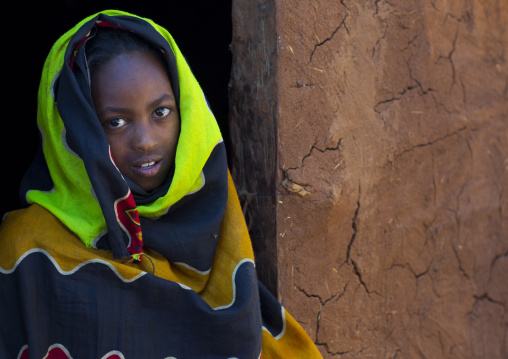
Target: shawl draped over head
94 267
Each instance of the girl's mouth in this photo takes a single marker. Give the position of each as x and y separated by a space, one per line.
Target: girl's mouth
147 169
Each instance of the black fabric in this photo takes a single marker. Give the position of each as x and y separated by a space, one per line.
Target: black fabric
52 308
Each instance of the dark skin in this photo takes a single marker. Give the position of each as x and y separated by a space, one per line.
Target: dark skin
136 106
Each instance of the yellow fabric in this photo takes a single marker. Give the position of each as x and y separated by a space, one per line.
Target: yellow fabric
295 343
32 227
35 228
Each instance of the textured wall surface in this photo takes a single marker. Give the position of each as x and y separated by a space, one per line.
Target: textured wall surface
391 138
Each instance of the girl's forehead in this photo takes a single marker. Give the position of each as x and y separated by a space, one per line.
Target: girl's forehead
130 76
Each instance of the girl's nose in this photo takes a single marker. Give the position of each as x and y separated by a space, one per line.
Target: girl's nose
145 137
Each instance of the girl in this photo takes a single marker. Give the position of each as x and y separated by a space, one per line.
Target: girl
132 244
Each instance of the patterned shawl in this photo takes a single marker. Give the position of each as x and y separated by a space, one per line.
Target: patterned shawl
197 295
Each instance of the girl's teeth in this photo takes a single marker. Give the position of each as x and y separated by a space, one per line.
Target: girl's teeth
148 164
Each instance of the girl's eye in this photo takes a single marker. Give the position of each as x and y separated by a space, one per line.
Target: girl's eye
162 112
117 123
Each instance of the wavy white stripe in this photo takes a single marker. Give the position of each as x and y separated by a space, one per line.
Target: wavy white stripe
23 348
234 283
94 194
183 286
202 175
64 349
52 88
99 236
115 205
113 352
5 215
283 331
192 268
43 141
72 271
207 104
66 145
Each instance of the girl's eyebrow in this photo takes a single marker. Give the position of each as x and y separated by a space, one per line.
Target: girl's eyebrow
112 109
159 100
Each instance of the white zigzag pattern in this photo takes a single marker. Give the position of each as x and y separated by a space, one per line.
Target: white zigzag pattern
101 261
81 265
106 356
64 349
185 265
72 271
245 260
283 331
113 352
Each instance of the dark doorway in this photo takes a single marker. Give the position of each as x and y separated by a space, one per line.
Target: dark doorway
202 30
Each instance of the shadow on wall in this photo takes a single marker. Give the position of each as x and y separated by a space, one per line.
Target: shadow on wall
202 30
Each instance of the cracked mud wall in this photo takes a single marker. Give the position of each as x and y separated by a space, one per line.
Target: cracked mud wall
386 133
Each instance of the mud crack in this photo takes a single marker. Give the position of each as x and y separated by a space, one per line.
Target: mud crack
423 91
354 225
457 221
450 59
336 296
430 143
376 4
378 42
494 261
342 24
314 147
358 274
410 42
343 4
393 99
484 297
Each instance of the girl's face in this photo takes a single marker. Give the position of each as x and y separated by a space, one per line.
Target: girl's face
135 103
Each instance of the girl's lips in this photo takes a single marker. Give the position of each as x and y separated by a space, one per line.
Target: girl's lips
147 169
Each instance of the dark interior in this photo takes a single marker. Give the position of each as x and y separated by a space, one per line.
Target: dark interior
202 30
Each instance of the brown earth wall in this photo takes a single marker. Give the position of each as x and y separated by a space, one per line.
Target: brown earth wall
370 150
